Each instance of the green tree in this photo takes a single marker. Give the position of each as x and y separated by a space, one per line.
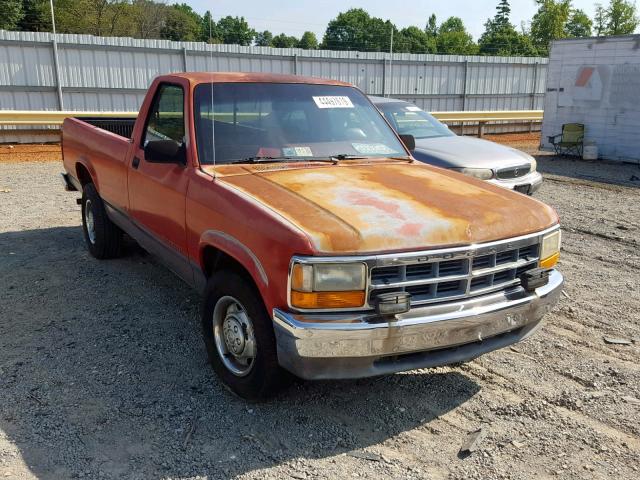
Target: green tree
284 41
454 39
578 25
73 16
503 14
355 29
432 26
549 23
414 40
308 41
263 39
209 29
36 16
622 18
181 24
104 17
600 20
501 37
235 30
11 14
147 18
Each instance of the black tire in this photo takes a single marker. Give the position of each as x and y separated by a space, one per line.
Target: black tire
105 241
265 376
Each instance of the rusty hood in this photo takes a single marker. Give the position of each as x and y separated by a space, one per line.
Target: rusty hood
388 206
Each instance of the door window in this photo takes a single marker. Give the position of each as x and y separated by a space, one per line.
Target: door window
166 119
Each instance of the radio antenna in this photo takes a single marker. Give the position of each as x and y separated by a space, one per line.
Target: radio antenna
213 118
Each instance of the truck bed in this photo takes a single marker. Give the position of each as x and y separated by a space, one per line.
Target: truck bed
101 145
122 126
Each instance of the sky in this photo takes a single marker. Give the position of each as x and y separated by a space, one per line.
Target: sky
294 17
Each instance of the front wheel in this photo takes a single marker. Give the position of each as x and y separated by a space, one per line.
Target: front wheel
239 337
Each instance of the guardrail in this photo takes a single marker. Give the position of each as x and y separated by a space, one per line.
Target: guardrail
484 117
489 116
33 117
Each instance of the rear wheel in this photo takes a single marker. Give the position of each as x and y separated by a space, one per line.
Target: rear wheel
103 237
239 337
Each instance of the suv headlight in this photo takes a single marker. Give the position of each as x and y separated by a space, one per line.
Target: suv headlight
480 173
550 249
328 285
534 165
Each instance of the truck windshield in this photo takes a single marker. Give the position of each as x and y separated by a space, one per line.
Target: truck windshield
407 119
273 121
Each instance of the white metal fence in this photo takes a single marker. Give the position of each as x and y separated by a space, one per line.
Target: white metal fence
112 74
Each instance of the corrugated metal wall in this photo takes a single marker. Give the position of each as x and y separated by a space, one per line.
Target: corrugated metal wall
100 73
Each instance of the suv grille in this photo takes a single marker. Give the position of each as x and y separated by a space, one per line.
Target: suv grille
476 273
513 172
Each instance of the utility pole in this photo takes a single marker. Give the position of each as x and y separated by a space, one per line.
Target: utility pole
390 60
53 18
56 60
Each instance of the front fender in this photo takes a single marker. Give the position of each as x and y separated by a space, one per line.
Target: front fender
237 250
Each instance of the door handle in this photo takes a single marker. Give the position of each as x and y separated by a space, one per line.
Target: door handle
135 163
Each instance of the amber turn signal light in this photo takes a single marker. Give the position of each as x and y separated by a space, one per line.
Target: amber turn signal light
327 299
550 261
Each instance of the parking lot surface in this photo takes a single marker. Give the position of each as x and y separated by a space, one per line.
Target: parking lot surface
103 373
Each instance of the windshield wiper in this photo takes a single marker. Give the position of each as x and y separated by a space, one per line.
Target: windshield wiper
347 156
263 159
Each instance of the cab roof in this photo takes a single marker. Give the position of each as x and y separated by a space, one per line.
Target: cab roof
242 77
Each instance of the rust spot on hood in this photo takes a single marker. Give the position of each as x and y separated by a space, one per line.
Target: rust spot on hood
385 207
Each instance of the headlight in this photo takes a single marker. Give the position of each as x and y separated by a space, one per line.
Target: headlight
328 285
534 164
481 173
550 249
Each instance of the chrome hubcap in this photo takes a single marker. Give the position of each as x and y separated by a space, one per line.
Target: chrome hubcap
234 336
89 221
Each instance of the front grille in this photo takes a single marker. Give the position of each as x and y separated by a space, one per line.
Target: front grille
513 172
466 273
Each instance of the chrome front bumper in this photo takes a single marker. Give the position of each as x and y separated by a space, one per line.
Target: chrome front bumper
331 346
533 180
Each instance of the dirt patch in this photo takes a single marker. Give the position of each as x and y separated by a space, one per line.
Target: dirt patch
524 141
103 373
30 153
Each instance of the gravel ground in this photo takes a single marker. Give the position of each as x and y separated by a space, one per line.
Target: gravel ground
103 373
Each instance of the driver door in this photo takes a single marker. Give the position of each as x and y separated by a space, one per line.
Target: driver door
157 191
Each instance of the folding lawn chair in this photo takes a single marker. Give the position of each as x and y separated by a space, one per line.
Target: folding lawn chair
569 142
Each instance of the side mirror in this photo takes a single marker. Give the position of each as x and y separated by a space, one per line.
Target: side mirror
409 141
165 151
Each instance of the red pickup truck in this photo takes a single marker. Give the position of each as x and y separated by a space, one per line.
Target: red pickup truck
321 247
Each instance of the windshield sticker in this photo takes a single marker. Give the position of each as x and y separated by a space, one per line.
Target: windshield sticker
297 152
373 148
333 102
412 109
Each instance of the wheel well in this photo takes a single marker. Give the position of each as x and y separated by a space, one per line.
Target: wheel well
215 260
83 174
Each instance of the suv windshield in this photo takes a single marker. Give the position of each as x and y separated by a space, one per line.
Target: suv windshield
407 119
271 121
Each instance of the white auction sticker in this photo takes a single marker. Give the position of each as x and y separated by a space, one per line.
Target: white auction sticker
297 152
337 101
373 148
412 109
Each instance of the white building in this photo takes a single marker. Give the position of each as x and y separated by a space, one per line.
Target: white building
596 81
